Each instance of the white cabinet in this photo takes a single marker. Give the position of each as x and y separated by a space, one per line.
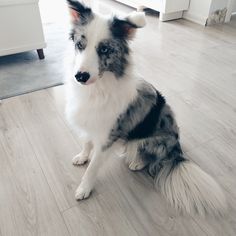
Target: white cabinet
169 9
20 27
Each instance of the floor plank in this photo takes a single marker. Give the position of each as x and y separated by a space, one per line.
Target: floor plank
53 144
27 205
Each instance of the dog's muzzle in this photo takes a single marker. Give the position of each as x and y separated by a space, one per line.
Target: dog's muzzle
82 77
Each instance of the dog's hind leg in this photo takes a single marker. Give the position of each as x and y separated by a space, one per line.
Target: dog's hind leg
83 156
133 159
141 153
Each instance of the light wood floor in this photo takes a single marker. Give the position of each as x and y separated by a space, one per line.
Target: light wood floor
195 68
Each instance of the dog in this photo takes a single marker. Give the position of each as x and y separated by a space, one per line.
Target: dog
111 107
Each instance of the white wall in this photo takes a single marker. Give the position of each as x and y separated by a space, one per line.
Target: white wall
231 9
234 6
198 11
218 4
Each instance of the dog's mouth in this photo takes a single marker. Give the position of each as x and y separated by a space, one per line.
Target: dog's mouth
88 82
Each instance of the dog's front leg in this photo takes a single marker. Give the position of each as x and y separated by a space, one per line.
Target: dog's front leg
83 156
89 178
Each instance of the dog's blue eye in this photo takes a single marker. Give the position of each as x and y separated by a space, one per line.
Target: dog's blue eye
104 50
79 45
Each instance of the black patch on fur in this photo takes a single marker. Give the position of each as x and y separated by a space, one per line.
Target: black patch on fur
176 151
166 121
81 43
121 28
147 127
143 153
176 135
136 114
170 119
176 156
162 124
173 158
85 13
72 35
112 55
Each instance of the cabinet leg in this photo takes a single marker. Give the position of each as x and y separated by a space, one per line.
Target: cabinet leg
40 54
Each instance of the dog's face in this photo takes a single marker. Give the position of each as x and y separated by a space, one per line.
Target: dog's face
101 42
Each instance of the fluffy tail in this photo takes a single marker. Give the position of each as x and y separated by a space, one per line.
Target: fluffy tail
190 189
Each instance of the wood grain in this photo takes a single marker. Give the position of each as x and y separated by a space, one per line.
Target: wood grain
27 205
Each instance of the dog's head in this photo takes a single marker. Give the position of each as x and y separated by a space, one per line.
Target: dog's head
101 42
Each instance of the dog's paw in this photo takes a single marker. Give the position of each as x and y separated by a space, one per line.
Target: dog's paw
82 192
136 165
79 159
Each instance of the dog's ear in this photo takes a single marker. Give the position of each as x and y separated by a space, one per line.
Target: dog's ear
79 12
126 28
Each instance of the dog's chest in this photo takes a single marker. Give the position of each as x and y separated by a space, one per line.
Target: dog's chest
97 113
97 118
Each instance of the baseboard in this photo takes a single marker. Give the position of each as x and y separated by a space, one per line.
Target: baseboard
195 18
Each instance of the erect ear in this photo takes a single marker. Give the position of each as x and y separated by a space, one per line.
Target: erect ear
126 28
79 12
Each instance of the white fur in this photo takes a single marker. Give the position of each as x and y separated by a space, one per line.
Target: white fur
137 18
190 189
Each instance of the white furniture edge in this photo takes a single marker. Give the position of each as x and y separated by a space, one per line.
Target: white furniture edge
167 10
22 49
38 44
170 16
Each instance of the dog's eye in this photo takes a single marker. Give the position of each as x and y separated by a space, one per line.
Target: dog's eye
80 45
104 50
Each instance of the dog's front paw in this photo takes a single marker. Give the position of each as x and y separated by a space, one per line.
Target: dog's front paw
79 159
82 192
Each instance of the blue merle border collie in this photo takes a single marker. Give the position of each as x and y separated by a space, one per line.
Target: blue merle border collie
113 107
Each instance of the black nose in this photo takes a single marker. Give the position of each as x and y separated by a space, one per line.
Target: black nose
82 77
